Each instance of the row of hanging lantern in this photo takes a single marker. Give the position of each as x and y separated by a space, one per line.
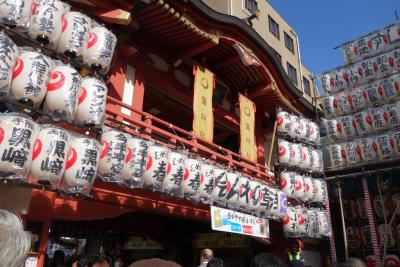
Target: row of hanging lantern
361 237
371 44
298 128
29 76
376 93
52 23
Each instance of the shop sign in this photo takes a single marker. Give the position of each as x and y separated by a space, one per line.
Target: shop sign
139 242
235 222
220 240
247 128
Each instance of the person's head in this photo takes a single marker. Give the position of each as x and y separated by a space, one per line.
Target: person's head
206 255
215 262
101 261
77 261
58 257
118 262
266 259
355 262
14 241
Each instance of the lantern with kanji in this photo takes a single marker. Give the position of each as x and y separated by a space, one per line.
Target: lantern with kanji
191 179
206 182
156 166
175 171
135 162
8 56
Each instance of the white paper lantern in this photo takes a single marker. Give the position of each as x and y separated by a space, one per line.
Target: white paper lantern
283 122
393 112
274 202
363 122
74 34
81 167
8 56
336 155
302 217
284 151
299 187
311 190
30 77
330 106
304 129
17 135
63 91
16 12
232 189
395 55
279 207
355 75
336 80
321 189
206 182
384 64
135 161
317 160
100 48
191 179
350 52
91 102
307 159
388 237
295 154
50 154
368 70
254 196
156 167
353 237
385 146
295 131
366 235
380 119
313 223
378 41
314 133
244 196
266 199
367 148
219 193
46 21
175 171
373 94
381 209
358 98
325 227
396 140
290 222
287 183
361 210
393 32
390 87
350 153
391 260
334 129
349 126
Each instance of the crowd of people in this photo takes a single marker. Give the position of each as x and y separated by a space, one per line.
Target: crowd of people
15 244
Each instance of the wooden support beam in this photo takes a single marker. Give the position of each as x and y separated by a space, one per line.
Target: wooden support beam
113 15
227 62
195 51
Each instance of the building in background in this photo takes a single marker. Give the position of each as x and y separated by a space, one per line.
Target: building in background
276 32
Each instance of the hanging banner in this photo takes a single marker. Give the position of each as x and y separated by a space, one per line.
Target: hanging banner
247 128
203 119
235 222
220 240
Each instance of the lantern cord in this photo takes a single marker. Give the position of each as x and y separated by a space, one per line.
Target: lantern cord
179 138
386 226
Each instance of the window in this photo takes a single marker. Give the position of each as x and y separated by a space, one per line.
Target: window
289 42
250 5
306 85
273 27
292 72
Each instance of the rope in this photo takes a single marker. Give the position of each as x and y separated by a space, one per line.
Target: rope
331 237
371 222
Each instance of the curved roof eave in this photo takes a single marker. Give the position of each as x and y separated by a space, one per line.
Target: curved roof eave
253 35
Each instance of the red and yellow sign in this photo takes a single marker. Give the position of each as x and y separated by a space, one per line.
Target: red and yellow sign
247 128
203 118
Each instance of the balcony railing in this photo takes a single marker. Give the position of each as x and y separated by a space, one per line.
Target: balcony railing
148 126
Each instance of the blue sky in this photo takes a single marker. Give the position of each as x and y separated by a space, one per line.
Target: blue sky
322 25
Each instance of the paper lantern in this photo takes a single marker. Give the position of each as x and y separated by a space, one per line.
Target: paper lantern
314 133
220 187
393 32
324 225
135 161
385 146
358 99
306 162
363 122
304 129
8 55
284 151
334 129
396 140
275 202
299 187
63 90
50 154
349 150
81 167
371 261
367 67
355 75
384 64
17 135
311 191
380 209
46 21
266 199
317 161
364 50
74 34
283 122
367 148
395 200
100 48
362 212
378 41
91 102
390 87
380 119
191 179
321 189
16 12
330 106
287 183
313 223
373 94
112 155
295 154
336 156
391 260
175 171
393 112
354 209
349 126
388 237
395 56
290 222
232 189
366 236
295 131
337 80
350 52
302 217
244 196
353 237
254 196
156 166
30 77
206 182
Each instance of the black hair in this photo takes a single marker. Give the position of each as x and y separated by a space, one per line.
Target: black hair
215 262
